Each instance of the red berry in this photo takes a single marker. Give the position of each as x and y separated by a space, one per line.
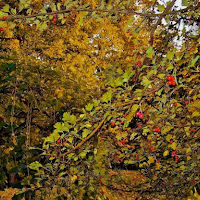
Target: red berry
58 175
190 128
151 2
193 129
58 141
78 177
175 104
152 149
115 155
171 141
54 19
170 77
136 158
158 161
139 126
148 142
176 158
193 180
130 34
113 124
100 182
4 17
137 113
133 79
25 188
138 64
103 136
186 102
54 15
173 83
121 160
174 153
158 130
127 31
121 122
64 143
169 82
141 115
190 20
68 172
1 29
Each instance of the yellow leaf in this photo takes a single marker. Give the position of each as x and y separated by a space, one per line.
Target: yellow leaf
195 114
174 145
151 159
166 153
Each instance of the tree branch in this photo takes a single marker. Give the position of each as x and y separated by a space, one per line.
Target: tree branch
121 11
160 19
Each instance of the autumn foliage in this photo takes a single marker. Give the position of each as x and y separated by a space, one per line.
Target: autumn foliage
99 100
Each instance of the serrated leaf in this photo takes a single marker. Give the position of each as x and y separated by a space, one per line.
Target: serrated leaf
85 133
161 8
5 8
107 97
89 107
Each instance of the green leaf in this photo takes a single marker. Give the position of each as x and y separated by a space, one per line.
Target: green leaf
197 105
60 127
161 8
174 145
35 165
149 52
52 138
5 8
85 133
146 82
89 107
194 61
170 55
69 118
107 97
184 2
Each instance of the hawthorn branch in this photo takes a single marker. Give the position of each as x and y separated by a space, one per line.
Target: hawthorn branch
120 11
160 20
79 145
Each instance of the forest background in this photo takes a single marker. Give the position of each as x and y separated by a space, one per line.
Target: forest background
99 99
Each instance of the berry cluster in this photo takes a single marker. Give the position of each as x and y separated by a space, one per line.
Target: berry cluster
54 17
139 64
140 115
158 130
171 80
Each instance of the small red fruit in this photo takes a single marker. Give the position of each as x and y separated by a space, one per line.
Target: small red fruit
58 175
193 129
64 143
4 17
169 77
54 19
152 149
190 128
115 155
186 102
25 188
58 141
171 141
174 153
68 172
78 177
190 20
176 158
113 124
175 104
158 161
54 15
148 142
100 182
193 180
121 160
127 31
169 82
139 126
133 79
151 2
173 82
141 115
103 136
158 130
121 122
1 29
137 113
136 158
